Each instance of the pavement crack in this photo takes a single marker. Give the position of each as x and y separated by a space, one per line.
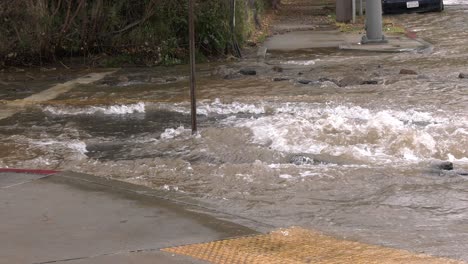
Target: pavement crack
24 182
133 251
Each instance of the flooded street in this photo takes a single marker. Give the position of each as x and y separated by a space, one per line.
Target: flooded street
332 140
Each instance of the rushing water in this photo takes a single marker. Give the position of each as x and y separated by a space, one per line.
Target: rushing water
358 161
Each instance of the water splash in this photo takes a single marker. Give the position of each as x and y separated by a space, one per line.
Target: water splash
366 135
106 110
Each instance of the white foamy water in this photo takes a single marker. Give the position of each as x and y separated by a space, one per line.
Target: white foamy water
171 133
225 109
216 107
347 131
74 145
359 133
106 110
300 62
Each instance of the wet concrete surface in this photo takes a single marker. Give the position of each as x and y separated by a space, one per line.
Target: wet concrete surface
76 218
303 40
8 180
307 40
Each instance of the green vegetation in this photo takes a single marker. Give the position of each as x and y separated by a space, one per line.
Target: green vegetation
262 37
147 32
349 27
389 26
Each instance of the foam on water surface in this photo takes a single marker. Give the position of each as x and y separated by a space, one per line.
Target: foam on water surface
215 107
368 135
106 110
74 145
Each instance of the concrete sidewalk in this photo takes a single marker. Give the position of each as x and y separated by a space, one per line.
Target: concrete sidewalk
304 40
75 218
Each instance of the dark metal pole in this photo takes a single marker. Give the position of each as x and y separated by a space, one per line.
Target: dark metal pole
193 101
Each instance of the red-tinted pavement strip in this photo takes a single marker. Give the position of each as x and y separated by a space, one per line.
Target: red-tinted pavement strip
29 171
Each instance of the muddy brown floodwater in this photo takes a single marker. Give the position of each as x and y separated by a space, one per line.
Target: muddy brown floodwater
355 161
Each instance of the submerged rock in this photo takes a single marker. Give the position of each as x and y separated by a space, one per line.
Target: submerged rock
156 80
301 160
463 76
232 76
305 81
370 82
325 79
329 82
277 69
350 80
280 79
123 78
407 71
445 165
223 71
248 72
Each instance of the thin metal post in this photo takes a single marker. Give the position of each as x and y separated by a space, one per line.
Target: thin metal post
361 12
354 11
193 101
374 32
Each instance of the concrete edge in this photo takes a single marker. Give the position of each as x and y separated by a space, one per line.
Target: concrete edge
184 201
425 46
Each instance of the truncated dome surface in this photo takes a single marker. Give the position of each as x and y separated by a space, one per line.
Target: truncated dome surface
298 245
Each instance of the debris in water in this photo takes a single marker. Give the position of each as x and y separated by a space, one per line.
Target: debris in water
409 72
248 72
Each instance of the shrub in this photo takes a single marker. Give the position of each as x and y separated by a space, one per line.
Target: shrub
153 31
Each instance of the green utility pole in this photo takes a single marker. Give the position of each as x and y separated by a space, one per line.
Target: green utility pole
373 23
354 10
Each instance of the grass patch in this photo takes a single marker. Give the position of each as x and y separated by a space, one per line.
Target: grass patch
262 37
391 27
350 28
388 26
118 61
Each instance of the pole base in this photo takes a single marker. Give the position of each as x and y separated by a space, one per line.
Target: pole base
365 40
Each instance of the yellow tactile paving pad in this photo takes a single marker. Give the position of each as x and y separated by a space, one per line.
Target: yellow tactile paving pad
298 245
